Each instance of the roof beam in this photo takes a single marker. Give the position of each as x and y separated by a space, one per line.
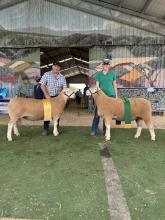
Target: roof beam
121 3
10 3
48 55
106 4
91 7
73 58
146 5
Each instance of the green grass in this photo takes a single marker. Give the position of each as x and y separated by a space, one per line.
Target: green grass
62 178
141 167
52 178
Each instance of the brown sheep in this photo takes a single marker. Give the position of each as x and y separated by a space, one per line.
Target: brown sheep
32 109
109 107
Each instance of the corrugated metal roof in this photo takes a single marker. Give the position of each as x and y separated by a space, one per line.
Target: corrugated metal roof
73 61
147 15
155 8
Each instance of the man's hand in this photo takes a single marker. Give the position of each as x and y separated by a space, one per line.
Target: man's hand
47 96
43 88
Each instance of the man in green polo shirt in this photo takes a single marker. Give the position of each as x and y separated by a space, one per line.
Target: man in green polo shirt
106 81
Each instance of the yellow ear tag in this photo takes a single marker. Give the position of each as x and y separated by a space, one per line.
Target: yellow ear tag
47 109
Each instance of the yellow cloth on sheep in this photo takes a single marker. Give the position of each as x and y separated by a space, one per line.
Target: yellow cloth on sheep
47 109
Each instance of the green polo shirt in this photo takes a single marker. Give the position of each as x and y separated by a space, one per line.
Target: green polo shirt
106 82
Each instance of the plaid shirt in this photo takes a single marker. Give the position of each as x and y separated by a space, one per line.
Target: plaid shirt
54 84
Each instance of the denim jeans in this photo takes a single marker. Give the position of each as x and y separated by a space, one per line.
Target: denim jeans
46 124
90 105
95 123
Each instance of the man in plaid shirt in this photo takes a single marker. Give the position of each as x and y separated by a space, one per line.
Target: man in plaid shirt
52 83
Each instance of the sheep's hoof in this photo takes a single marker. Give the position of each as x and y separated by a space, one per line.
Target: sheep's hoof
107 139
153 139
56 134
17 134
136 136
9 139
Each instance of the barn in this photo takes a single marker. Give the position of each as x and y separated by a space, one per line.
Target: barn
75 175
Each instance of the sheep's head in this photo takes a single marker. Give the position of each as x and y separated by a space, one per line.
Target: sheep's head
68 93
93 90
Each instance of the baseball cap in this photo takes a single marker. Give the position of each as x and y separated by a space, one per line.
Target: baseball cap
107 61
56 63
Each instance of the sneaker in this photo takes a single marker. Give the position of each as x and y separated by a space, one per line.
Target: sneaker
92 133
45 133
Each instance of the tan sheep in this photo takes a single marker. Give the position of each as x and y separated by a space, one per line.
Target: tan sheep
32 109
109 107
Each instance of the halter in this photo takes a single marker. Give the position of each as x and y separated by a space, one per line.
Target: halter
69 95
92 93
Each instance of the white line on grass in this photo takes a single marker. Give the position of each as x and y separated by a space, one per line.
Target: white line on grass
117 203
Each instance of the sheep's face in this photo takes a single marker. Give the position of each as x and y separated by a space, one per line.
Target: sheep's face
70 94
92 90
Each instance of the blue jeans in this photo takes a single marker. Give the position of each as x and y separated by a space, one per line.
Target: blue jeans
95 123
90 105
46 124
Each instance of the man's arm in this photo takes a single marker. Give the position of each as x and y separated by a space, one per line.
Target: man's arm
115 88
97 78
43 82
64 83
97 84
43 88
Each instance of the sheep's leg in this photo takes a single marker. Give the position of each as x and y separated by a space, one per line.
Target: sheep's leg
9 131
55 130
152 132
108 129
139 127
16 132
108 132
150 126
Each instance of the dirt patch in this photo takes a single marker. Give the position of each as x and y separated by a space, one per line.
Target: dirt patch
80 117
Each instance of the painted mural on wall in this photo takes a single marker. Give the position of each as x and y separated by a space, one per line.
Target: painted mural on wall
140 70
16 64
80 38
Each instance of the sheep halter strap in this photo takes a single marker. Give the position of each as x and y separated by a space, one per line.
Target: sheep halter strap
47 109
127 113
